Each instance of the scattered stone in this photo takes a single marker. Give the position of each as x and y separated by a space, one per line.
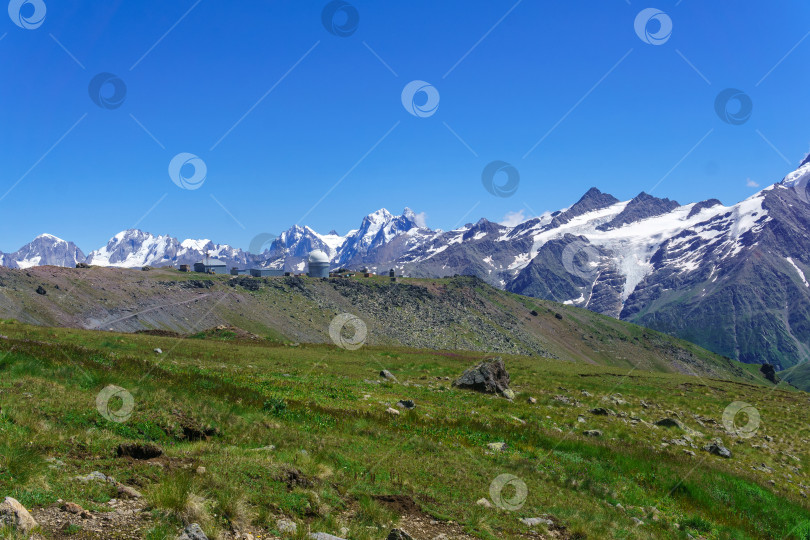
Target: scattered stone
484 502
586 393
497 446
158 351
14 515
139 450
392 412
637 521
192 532
509 394
489 377
387 375
685 451
324 536
286 526
200 470
716 447
41 290
398 534
95 476
581 419
532 400
406 404
601 411
645 404
531 522
592 433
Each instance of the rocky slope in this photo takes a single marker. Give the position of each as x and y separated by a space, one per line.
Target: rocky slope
456 313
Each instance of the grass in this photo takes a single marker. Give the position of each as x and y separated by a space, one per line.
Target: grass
301 433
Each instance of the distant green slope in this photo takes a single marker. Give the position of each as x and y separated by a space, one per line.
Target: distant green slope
460 313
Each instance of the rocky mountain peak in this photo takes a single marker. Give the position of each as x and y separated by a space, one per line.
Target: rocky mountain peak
642 206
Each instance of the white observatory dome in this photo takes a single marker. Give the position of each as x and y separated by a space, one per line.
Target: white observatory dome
318 256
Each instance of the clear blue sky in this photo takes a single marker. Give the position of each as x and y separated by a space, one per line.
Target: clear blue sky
200 75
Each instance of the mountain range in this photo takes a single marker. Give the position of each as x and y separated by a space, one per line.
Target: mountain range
732 279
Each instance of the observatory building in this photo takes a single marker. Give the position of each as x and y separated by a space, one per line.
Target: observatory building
318 264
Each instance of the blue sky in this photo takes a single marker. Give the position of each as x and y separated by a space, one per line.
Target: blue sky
323 112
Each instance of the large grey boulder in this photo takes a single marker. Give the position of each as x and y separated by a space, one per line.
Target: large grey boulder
488 377
14 515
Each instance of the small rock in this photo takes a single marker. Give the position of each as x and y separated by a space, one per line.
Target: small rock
716 447
531 522
637 521
398 534
95 476
200 470
484 502
508 394
158 351
532 400
392 412
670 422
601 411
41 290
497 446
14 515
192 532
286 526
406 404
581 419
592 433
324 536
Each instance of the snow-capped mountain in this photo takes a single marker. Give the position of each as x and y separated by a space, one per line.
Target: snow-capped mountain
45 249
733 279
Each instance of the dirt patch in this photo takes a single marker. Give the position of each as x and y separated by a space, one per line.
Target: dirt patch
159 333
295 478
401 504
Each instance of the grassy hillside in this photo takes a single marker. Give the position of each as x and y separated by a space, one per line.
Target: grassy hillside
302 432
460 313
798 376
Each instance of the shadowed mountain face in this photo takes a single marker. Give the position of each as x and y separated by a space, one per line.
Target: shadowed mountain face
730 278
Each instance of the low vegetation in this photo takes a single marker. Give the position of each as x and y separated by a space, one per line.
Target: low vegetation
256 431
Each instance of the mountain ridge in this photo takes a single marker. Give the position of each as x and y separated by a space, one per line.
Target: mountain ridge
730 278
